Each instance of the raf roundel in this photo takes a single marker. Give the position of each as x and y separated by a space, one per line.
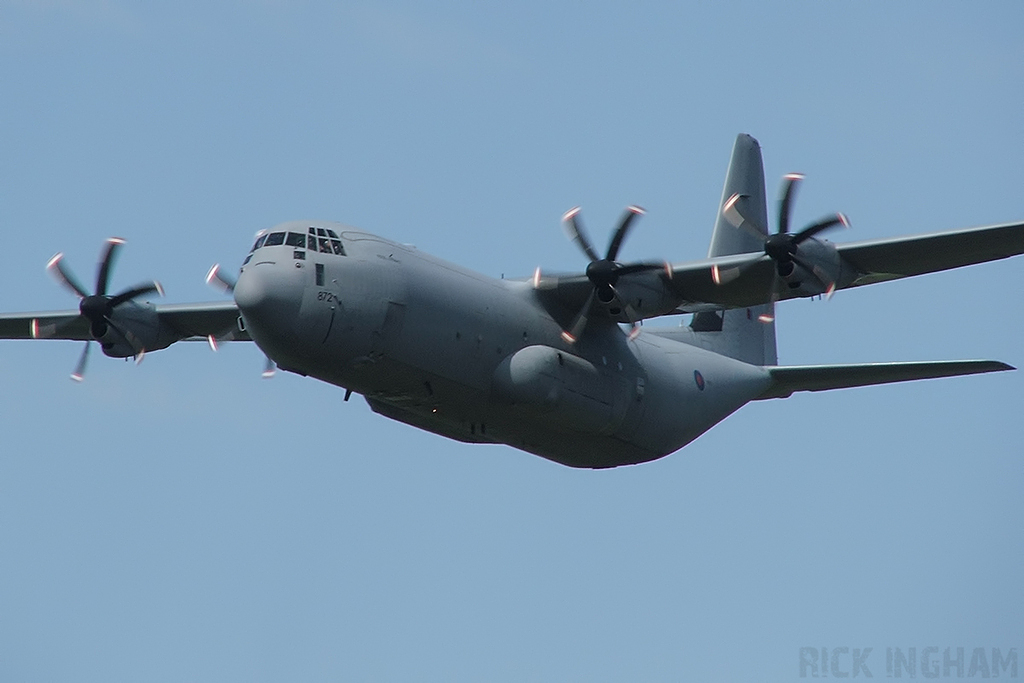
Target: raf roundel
699 379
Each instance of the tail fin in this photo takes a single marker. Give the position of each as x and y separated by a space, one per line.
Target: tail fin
746 334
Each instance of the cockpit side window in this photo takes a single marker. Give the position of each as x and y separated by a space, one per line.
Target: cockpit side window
274 239
296 239
338 249
325 245
259 242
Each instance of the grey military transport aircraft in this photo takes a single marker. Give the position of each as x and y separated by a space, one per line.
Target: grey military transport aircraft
552 364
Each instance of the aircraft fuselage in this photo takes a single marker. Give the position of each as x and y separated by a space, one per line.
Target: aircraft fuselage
478 359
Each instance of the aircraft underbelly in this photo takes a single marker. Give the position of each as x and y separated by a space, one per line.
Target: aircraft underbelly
574 417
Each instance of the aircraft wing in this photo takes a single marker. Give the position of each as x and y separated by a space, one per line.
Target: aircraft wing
788 379
199 321
50 325
891 259
185 322
862 263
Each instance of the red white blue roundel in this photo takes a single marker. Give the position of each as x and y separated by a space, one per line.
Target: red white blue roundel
699 379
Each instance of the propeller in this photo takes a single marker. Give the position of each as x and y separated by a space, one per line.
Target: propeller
98 308
783 246
269 369
216 278
603 273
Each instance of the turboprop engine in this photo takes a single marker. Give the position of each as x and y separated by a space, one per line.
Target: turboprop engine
123 327
802 261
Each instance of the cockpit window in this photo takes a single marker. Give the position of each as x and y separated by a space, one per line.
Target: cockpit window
316 240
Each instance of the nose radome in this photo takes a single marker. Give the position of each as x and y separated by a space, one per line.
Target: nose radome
252 290
268 296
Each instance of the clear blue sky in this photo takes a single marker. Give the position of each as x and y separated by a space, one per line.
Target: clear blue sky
186 520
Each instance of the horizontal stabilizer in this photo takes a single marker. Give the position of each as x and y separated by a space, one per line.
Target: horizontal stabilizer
789 379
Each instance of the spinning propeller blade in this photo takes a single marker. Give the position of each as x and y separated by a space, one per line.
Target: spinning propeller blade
217 278
79 372
603 273
56 266
782 246
99 308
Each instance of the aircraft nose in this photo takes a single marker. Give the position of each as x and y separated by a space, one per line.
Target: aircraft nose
252 291
268 296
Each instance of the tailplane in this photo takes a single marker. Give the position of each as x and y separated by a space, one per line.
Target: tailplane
746 334
789 379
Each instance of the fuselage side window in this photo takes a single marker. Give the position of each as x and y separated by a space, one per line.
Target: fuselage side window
296 239
274 239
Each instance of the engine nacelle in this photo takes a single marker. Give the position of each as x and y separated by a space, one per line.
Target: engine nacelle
640 295
559 387
824 271
135 328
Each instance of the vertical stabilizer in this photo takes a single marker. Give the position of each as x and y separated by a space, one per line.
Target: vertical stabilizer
747 334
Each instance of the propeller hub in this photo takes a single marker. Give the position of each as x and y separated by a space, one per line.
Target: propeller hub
780 247
95 307
602 272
